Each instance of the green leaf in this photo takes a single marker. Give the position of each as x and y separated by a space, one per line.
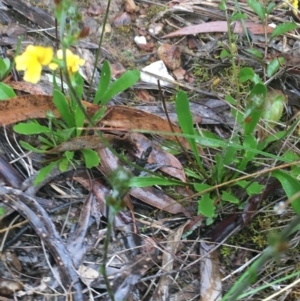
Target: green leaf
104 82
206 206
2 211
270 7
246 73
63 164
42 174
79 120
185 121
6 92
63 107
257 8
30 128
201 187
283 28
91 158
218 170
238 16
254 108
274 66
273 108
151 181
229 197
29 147
224 53
291 187
229 153
254 188
4 67
79 85
99 114
125 81
251 143
255 53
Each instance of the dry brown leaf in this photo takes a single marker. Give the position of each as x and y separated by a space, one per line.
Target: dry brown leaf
170 55
158 199
31 106
171 164
131 118
211 281
26 87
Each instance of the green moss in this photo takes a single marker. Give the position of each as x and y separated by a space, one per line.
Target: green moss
154 10
201 73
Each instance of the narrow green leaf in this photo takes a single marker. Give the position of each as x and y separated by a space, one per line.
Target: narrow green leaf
30 128
255 53
238 16
151 181
79 85
206 206
270 7
42 174
125 81
254 110
104 82
29 147
274 66
283 28
251 143
185 121
79 120
99 114
290 185
257 8
4 67
63 107
91 158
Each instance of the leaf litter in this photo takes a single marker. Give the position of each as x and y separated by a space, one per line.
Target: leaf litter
74 234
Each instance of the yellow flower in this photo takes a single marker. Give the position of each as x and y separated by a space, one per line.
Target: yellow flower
32 60
73 61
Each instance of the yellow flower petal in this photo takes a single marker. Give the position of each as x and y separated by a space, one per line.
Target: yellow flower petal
32 60
53 66
73 61
44 55
33 73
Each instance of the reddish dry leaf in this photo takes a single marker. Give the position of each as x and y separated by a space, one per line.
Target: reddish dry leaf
218 26
117 69
31 106
170 55
122 19
179 73
144 96
172 165
92 142
158 199
131 118
26 87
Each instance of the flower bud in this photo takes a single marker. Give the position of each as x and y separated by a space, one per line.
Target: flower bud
84 32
